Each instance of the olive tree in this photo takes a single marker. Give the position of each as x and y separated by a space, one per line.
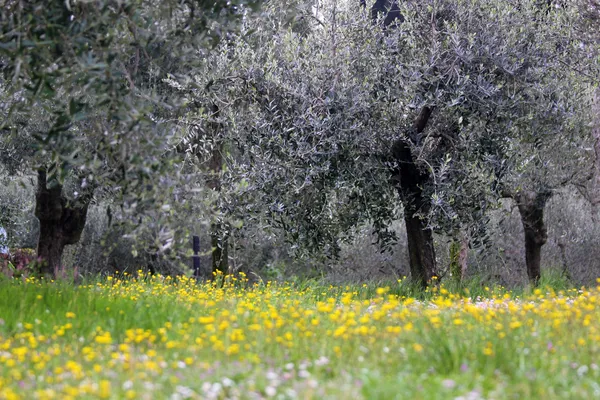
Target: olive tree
431 114
554 153
83 84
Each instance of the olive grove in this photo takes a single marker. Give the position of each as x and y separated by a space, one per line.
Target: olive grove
305 122
434 116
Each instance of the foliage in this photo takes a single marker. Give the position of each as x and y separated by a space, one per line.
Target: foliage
83 97
310 116
286 124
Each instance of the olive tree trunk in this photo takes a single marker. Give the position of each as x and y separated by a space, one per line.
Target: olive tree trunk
61 223
531 206
410 181
459 253
219 232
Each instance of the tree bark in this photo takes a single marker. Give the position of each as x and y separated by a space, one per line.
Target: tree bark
410 181
563 258
463 257
219 233
388 9
459 252
61 223
531 206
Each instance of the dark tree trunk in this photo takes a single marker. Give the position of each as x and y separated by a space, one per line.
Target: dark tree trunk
388 9
563 258
61 223
459 252
421 252
50 248
531 208
410 181
219 234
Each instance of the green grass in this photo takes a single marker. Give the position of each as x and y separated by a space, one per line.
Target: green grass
172 338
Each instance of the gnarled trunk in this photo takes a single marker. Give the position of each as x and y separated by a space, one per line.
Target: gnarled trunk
410 181
420 249
61 223
531 206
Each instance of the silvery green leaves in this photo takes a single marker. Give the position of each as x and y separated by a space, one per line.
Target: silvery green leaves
82 83
313 114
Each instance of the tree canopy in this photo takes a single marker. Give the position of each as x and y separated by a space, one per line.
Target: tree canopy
309 117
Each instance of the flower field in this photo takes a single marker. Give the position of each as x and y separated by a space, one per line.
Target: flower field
162 338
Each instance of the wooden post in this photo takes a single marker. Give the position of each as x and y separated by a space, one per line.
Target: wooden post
196 256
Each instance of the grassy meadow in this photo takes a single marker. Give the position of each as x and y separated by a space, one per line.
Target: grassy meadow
151 337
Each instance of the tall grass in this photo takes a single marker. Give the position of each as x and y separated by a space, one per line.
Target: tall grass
156 337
